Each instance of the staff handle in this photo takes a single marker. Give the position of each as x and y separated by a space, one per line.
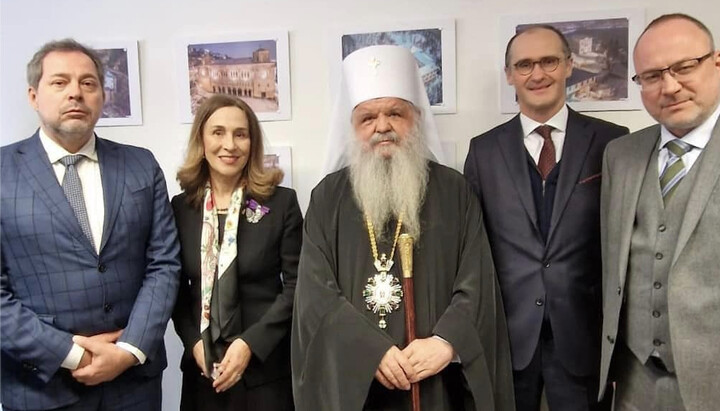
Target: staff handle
406 255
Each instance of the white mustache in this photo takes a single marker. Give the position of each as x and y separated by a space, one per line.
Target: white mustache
382 137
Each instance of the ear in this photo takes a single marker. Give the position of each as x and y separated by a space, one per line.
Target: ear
32 97
508 76
569 67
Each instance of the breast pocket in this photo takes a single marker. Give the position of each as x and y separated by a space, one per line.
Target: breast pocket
136 210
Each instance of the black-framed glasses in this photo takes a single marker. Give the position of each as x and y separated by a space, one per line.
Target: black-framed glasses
548 64
680 71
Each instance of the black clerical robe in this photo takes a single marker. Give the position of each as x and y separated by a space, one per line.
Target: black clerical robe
336 342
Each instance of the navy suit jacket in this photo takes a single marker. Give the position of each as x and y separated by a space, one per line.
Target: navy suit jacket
563 275
54 283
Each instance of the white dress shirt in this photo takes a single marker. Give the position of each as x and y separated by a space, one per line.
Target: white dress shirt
534 141
698 138
89 172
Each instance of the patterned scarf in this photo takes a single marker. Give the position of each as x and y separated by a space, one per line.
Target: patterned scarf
213 256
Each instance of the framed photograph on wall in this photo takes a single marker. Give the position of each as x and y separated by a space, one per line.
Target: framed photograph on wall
601 44
252 66
431 42
280 157
123 106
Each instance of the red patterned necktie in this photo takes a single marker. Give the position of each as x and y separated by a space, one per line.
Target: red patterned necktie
546 162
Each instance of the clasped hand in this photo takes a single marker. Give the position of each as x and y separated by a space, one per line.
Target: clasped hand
421 359
232 366
102 360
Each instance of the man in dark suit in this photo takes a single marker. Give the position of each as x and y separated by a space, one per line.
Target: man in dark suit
90 259
538 179
660 218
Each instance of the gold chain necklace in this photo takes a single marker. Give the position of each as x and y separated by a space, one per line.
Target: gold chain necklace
383 292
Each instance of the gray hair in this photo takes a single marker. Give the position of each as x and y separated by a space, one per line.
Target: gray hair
35 65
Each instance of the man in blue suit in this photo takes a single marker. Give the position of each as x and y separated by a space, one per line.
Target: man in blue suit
89 252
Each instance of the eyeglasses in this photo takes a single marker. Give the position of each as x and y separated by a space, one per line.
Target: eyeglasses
679 71
548 64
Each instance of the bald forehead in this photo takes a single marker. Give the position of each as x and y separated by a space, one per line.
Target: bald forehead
669 30
539 36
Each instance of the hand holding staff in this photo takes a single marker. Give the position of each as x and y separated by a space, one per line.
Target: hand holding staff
406 255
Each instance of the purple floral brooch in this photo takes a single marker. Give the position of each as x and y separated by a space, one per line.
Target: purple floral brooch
254 211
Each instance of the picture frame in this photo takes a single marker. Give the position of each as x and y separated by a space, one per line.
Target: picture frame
431 41
253 66
281 157
123 102
601 43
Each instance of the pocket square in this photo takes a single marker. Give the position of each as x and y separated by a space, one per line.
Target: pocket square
591 178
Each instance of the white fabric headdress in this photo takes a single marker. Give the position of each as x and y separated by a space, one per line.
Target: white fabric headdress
375 72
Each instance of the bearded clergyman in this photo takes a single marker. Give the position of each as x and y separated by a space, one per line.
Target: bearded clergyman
349 349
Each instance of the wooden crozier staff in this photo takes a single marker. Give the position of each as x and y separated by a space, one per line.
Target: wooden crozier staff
406 255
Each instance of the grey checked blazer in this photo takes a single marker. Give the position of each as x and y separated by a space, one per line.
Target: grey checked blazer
694 280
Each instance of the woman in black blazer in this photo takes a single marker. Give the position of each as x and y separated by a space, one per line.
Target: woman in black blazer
240 236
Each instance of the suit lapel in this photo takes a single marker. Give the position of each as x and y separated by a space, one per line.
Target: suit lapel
706 179
634 174
34 165
578 139
515 156
112 173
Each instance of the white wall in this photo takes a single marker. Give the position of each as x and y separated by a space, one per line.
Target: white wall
27 24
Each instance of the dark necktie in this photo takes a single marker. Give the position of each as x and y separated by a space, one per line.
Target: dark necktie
674 167
546 162
73 191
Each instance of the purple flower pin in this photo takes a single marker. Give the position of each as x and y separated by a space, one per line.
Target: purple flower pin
254 211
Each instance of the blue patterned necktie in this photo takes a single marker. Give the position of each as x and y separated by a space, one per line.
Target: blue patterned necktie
674 167
73 191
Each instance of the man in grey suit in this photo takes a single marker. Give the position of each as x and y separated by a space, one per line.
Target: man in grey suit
538 179
660 229
90 258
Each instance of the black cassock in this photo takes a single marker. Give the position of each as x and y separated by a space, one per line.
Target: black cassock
337 344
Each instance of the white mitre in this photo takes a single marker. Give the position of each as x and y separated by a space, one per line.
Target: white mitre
375 72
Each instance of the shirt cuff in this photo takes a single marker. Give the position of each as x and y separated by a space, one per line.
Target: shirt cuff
73 358
133 350
456 357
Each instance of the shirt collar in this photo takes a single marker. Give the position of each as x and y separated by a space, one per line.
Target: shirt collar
55 152
558 121
698 137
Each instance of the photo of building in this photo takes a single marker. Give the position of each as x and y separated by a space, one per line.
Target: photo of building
246 69
117 86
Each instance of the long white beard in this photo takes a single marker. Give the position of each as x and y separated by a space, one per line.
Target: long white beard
386 187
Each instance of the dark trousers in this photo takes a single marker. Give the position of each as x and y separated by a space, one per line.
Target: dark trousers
199 395
122 394
563 390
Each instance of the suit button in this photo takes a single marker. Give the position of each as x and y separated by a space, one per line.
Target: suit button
102 268
657 342
539 302
662 228
658 256
546 264
619 290
107 308
610 339
656 314
657 285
